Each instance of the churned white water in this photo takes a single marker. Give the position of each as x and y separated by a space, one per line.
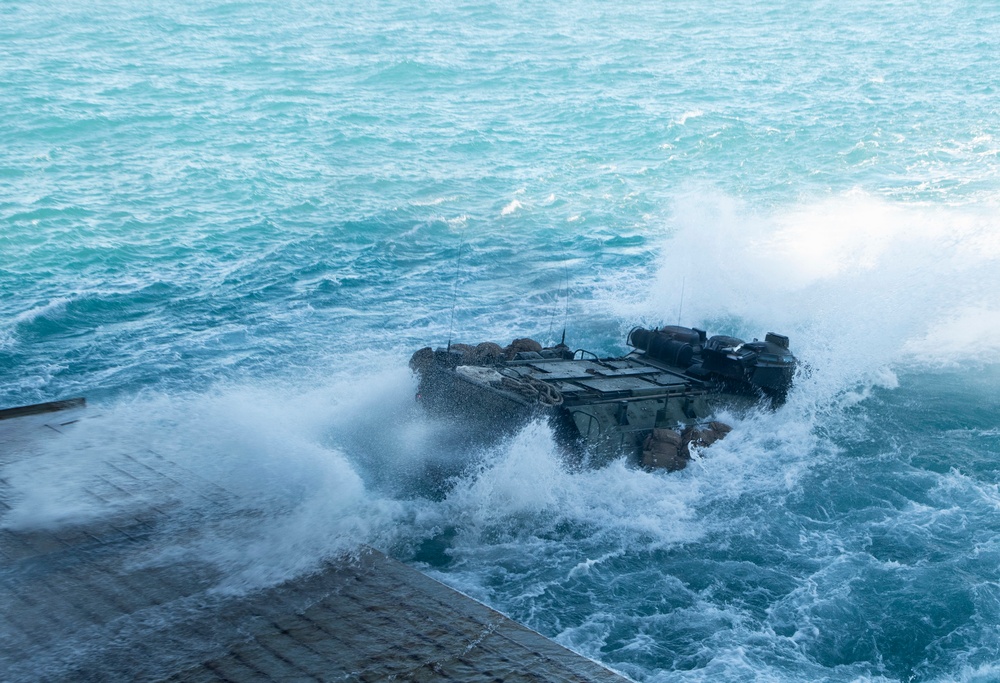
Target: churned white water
229 225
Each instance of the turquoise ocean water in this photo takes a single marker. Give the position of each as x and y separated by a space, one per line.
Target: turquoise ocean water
228 224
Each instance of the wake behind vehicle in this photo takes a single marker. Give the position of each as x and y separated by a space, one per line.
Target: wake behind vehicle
651 404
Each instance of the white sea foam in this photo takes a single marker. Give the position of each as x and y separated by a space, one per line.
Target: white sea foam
264 488
432 202
54 306
688 115
969 330
8 334
857 282
984 673
511 208
527 478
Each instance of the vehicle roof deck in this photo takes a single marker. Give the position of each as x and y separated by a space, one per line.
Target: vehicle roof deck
608 378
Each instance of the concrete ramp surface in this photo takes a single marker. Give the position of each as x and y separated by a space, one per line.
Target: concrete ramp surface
81 602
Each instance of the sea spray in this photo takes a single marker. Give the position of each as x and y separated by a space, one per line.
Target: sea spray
228 225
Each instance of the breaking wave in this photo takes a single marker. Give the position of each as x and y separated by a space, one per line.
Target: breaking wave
822 518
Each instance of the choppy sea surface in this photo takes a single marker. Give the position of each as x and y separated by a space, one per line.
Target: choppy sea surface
229 224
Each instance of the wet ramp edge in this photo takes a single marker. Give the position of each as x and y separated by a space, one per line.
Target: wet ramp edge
94 600
379 619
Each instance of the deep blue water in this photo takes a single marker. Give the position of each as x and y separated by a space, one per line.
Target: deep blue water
229 224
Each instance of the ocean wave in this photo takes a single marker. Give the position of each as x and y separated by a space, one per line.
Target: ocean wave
859 282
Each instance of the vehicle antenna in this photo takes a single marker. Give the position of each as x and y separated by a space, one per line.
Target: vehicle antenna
454 294
566 305
552 315
681 307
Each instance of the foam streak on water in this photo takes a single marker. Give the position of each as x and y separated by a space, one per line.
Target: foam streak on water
229 224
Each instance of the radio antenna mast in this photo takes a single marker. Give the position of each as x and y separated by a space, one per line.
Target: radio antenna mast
681 307
562 342
454 295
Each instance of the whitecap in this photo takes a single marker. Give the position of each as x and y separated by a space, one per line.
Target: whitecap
686 116
511 208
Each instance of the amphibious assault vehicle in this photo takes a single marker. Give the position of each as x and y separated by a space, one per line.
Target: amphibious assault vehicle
651 404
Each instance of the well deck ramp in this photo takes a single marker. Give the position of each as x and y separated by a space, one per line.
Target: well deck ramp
81 603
